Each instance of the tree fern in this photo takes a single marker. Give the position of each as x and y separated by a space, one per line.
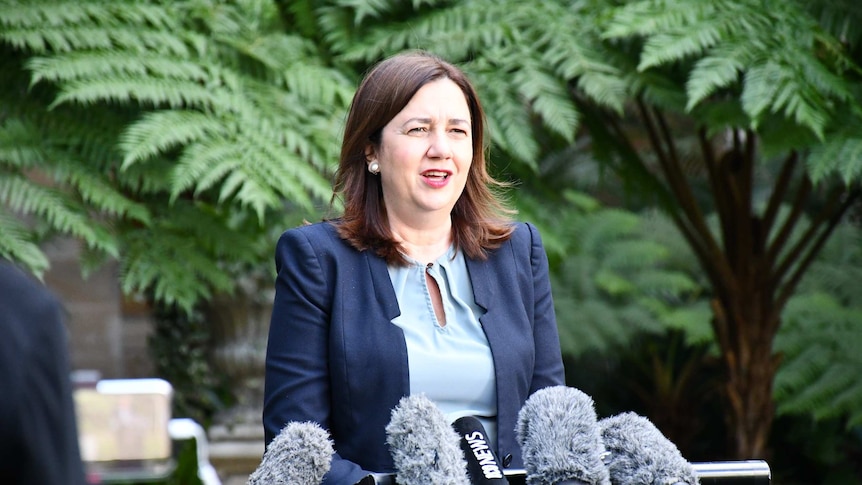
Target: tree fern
774 49
224 109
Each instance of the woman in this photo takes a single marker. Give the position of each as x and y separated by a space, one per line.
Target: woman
422 285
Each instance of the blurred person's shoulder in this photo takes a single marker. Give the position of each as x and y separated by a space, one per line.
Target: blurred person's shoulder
22 294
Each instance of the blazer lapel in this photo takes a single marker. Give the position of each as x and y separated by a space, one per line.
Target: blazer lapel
480 278
383 291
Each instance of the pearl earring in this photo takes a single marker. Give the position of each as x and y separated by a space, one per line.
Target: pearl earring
374 167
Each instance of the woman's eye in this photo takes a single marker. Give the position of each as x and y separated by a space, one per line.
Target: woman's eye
418 129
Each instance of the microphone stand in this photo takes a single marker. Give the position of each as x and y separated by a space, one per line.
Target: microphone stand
741 472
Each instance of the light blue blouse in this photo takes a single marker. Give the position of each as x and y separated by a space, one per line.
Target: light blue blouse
452 364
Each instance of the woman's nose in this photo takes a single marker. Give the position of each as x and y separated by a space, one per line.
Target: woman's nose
440 146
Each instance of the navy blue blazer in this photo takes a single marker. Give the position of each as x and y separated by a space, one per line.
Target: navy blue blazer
334 356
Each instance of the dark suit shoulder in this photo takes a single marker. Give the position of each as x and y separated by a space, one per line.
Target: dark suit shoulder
524 236
24 292
522 231
316 230
322 240
320 235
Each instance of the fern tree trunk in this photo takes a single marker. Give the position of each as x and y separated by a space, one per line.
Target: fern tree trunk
754 264
742 325
746 312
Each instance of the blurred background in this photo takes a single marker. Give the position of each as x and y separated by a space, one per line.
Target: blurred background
694 168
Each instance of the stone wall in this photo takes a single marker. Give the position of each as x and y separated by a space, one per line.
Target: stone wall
107 333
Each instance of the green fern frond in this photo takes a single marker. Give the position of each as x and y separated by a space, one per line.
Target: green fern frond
367 8
142 269
285 170
642 19
250 191
24 196
718 70
787 68
633 253
549 98
197 235
614 282
666 283
78 66
837 155
772 87
19 144
670 47
43 26
817 397
451 32
837 269
508 121
146 91
660 91
161 131
303 124
336 27
96 37
259 182
820 343
95 190
318 84
39 14
17 244
276 50
569 42
693 319
605 89
147 179
845 403
598 229
197 160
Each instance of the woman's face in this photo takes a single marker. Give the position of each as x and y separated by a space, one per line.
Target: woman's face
425 153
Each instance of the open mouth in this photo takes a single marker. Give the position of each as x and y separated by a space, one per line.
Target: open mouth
436 174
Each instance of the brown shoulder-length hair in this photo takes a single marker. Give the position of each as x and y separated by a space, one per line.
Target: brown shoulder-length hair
480 220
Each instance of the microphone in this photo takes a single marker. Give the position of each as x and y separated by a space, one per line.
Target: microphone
560 439
300 453
424 447
482 464
640 454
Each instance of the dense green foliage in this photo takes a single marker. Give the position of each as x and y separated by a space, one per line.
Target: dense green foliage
180 137
193 129
819 341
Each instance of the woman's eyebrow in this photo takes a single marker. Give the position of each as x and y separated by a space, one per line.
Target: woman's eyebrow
427 121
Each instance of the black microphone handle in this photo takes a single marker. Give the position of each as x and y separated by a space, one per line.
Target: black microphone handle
483 467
